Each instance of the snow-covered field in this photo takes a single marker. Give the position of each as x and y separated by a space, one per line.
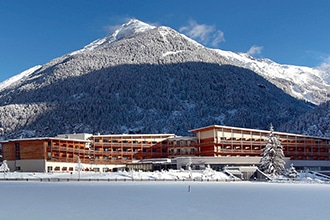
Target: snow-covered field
207 174
159 199
163 200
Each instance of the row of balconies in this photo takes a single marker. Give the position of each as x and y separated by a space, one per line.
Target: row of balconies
309 157
164 143
100 159
263 141
285 149
56 148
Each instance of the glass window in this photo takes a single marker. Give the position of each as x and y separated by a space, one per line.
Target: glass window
17 151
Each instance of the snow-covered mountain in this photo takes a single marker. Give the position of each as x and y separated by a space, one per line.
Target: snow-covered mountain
142 78
129 29
305 83
19 77
314 123
310 84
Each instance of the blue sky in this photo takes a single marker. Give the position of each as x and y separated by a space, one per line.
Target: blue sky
289 32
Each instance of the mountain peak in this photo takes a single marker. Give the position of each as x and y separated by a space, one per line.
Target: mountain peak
130 28
126 30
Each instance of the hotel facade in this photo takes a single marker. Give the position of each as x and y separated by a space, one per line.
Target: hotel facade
215 145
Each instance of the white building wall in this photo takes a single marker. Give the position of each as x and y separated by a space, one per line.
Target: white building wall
207 134
80 136
44 166
68 167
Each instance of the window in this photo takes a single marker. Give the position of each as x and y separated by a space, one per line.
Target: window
17 151
49 168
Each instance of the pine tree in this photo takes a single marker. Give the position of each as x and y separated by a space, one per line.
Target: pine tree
292 172
272 161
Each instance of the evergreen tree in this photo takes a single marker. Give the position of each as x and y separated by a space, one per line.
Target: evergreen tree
292 172
272 161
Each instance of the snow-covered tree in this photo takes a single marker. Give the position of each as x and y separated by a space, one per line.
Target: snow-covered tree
79 167
272 161
292 172
4 167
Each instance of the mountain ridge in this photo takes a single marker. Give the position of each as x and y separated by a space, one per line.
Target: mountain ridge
294 80
155 81
128 102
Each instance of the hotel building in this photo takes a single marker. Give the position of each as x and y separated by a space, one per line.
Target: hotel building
213 145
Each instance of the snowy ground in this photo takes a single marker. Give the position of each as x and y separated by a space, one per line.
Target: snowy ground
163 200
172 175
197 175
305 199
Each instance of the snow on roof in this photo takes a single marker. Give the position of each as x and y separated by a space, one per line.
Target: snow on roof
250 129
42 139
135 135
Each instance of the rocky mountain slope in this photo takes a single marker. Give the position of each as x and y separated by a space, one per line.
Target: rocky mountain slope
141 79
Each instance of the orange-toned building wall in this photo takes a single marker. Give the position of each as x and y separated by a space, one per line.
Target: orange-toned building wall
100 149
50 149
211 141
24 150
66 150
114 149
231 141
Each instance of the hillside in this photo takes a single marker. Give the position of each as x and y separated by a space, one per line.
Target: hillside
305 83
141 79
314 123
